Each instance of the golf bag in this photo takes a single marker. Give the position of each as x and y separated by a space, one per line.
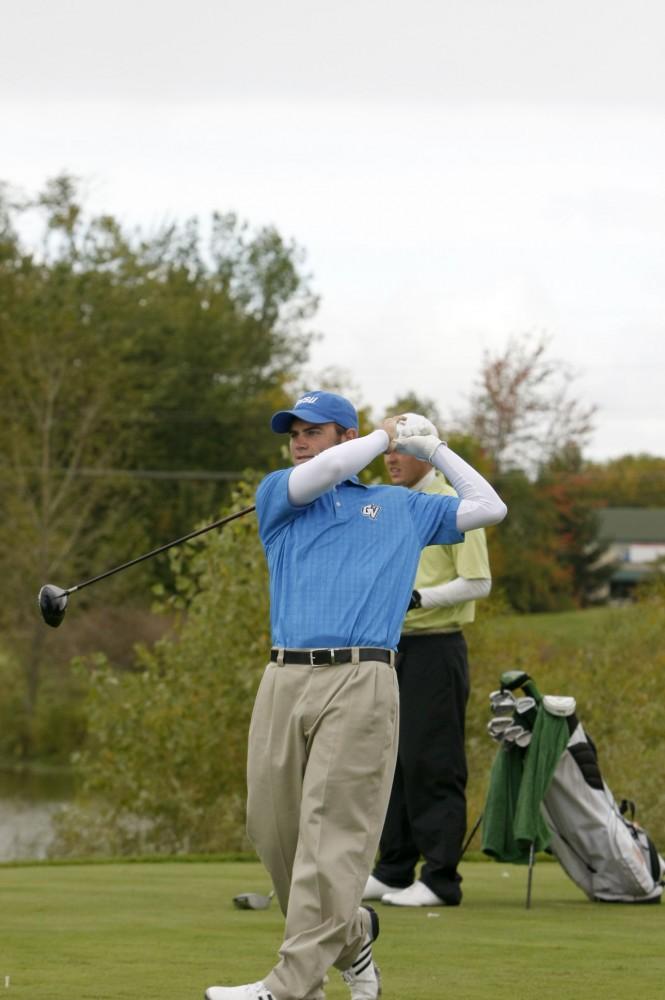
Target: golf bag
547 793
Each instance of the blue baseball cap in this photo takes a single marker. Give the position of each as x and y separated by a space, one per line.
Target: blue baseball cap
317 407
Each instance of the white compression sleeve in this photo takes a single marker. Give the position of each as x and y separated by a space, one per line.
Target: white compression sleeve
480 504
444 595
313 478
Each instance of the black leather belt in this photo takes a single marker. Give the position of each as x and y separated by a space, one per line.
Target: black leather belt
328 657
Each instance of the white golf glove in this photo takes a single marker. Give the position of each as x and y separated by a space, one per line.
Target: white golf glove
414 425
417 436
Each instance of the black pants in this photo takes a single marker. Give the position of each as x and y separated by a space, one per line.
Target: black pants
427 809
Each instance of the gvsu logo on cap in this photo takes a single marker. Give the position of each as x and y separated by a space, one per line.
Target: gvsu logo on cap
304 400
371 510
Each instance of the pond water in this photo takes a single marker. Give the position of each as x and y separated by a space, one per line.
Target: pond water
28 801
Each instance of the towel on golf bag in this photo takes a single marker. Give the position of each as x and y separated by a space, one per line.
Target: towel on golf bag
551 794
512 819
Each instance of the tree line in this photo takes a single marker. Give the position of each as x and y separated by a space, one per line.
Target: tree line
138 374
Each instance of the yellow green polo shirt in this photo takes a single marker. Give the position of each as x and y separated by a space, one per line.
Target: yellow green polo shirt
442 563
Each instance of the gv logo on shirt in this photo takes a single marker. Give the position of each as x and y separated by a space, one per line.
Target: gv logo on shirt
371 510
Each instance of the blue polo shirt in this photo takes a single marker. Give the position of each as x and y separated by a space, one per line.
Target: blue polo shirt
342 567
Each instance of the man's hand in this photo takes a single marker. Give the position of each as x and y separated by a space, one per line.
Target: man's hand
415 425
417 436
420 446
391 425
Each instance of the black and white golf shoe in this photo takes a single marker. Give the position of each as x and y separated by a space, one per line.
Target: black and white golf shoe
363 977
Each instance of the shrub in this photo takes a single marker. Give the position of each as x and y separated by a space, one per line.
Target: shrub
163 769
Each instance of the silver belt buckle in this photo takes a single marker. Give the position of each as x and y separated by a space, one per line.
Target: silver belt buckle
321 663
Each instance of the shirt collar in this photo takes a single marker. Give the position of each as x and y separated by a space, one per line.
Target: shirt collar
426 481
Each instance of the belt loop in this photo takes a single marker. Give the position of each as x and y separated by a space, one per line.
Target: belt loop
392 658
355 655
280 657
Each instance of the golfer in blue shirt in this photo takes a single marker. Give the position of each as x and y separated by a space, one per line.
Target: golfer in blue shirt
342 559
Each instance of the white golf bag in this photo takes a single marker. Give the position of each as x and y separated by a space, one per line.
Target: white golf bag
608 856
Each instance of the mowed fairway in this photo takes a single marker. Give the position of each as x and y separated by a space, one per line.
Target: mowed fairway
164 931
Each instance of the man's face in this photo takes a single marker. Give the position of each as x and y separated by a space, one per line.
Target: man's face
307 440
405 470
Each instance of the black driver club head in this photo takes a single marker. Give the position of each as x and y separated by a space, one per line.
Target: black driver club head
52 604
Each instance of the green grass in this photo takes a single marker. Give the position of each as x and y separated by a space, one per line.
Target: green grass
165 931
571 628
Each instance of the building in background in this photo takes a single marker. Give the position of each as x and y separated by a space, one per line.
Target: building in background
636 545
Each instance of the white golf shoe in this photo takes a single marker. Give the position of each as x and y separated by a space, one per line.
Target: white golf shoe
417 894
252 991
364 978
375 889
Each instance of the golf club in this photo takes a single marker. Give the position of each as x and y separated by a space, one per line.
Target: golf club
53 600
471 835
500 696
512 679
532 859
518 735
524 705
527 711
253 901
503 706
497 726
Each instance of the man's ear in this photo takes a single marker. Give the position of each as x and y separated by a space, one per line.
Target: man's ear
349 434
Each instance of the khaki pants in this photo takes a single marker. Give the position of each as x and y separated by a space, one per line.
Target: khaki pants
322 749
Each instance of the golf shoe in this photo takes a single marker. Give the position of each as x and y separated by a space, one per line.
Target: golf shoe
252 991
363 977
417 894
375 889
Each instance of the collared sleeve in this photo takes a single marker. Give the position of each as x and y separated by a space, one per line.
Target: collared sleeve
273 508
435 518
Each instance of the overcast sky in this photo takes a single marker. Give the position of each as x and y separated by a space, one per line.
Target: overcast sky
457 171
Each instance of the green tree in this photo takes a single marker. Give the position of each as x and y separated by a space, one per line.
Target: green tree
524 550
522 409
566 482
164 762
528 422
62 373
629 481
125 357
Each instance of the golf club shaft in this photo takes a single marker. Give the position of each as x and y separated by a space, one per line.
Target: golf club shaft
532 860
163 548
471 836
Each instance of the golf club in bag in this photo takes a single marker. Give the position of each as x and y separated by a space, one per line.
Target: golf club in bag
53 600
547 793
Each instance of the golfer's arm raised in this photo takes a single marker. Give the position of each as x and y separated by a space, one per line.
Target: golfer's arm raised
480 504
332 466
